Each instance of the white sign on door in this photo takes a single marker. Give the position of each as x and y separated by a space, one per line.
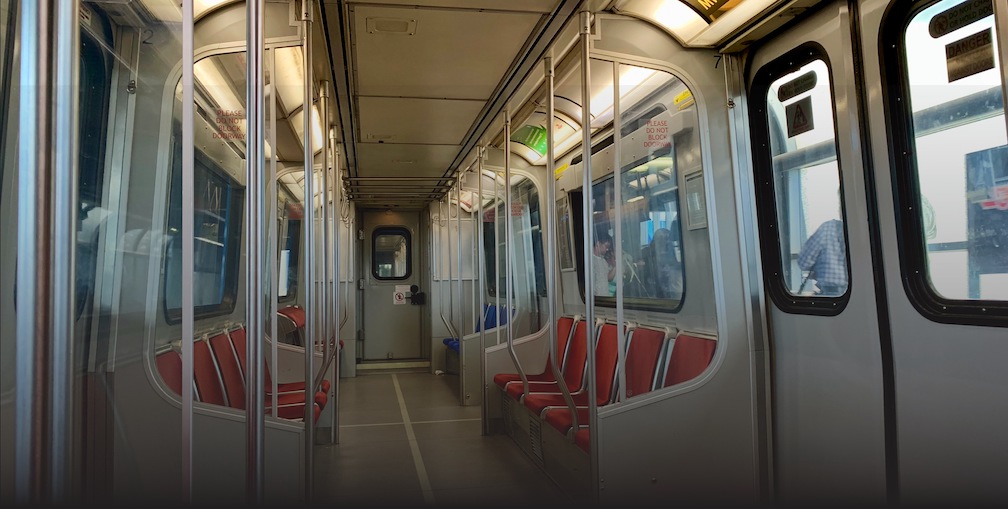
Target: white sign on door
399 294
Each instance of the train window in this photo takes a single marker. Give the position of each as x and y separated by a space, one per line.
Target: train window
952 190
658 143
391 253
798 175
289 225
527 246
218 219
219 197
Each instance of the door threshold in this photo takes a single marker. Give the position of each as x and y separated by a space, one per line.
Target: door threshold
391 364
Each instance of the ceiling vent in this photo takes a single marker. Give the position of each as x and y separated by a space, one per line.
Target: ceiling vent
396 26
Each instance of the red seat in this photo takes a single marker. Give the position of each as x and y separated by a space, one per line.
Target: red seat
606 357
295 313
573 367
209 387
565 324
690 355
643 353
169 364
238 343
231 372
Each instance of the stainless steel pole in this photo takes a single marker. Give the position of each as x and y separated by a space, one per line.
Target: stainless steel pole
508 239
618 242
551 250
481 269
255 296
311 310
188 241
589 236
46 246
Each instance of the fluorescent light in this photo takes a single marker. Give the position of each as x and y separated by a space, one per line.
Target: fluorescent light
202 6
635 198
630 78
674 16
289 78
297 122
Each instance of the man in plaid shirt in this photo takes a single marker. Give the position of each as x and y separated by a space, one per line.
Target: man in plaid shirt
824 255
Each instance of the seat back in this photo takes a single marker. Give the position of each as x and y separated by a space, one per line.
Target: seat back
231 371
643 353
287 331
565 325
238 343
689 356
207 377
606 360
577 357
169 365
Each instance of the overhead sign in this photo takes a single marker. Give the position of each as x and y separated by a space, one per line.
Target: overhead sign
970 55
960 16
799 117
709 10
797 86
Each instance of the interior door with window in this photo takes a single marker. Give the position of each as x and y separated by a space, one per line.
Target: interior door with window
392 314
827 398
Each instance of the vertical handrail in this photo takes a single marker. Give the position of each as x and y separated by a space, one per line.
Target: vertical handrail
64 247
337 324
497 290
618 242
551 250
307 16
451 300
46 247
481 261
441 284
188 239
508 262
254 209
274 253
458 246
326 238
589 235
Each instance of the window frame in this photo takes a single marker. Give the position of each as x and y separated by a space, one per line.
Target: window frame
766 198
911 241
392 230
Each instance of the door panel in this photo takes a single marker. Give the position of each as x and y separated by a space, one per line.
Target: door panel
392 263
950 377
827 397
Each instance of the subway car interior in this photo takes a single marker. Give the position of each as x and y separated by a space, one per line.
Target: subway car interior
519 251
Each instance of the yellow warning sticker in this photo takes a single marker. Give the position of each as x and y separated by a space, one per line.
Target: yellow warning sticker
559 171
683 99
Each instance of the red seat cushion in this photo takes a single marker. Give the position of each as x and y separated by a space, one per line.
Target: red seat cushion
560 418
690 356
564 326
537 402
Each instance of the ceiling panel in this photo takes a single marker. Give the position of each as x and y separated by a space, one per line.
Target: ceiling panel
543 6
453 53
423 121
395 160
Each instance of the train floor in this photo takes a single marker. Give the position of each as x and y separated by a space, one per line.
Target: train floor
405 440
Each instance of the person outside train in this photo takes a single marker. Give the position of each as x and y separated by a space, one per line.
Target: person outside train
824 257
661 269
602 271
